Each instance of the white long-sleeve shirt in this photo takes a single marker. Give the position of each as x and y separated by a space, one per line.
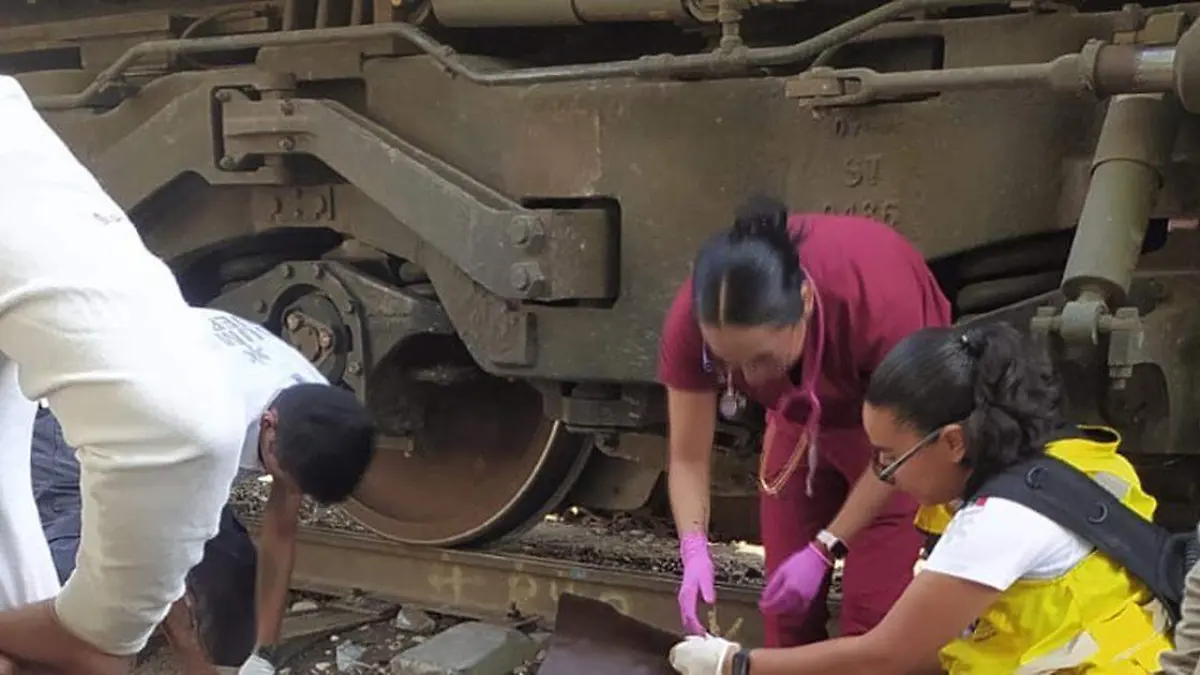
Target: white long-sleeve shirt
98 328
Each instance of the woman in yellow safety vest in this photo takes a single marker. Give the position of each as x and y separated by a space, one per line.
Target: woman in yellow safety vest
1005 589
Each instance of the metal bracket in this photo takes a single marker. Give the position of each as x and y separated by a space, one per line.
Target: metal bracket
824 87
629 411
513 252
294 204
311 289
331 311
1085 322
1156 29
1125 339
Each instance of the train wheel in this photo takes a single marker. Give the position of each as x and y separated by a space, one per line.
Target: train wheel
485 465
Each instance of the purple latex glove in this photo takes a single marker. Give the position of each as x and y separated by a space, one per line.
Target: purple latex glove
796 583
698 580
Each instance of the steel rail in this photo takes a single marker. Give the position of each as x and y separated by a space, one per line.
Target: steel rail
489 586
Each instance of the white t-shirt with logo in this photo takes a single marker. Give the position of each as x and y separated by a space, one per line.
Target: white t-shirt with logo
263 365
995 542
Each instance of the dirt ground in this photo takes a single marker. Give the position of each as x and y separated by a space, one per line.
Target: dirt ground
623 543
363 649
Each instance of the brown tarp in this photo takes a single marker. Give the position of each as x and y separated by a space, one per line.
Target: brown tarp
593 638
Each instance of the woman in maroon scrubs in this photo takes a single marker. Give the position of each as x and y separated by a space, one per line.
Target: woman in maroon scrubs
796 313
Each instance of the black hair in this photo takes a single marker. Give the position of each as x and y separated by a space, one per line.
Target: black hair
750 274
1005 393
324 438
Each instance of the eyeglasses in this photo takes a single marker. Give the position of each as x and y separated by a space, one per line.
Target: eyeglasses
887 473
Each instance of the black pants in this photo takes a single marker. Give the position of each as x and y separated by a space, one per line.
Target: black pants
222 588
221 585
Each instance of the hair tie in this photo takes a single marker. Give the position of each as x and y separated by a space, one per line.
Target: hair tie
970 346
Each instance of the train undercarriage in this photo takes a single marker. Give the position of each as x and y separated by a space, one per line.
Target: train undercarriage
474 213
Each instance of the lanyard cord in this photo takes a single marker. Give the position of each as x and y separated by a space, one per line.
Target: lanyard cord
810 374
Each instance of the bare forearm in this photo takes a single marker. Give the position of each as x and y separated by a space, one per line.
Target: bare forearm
842 655
276 560
849 655
930 614
275 572
864 502
693 421
687 485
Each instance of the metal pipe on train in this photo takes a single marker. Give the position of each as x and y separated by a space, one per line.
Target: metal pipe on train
510 13
1100 68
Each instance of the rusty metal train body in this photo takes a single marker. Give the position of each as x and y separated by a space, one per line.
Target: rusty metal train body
475 212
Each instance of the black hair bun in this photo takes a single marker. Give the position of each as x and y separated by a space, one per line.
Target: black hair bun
762 218
765 219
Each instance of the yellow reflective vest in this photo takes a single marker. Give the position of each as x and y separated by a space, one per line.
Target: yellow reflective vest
1095 618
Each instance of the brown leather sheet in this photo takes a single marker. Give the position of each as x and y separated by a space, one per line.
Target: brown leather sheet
592 638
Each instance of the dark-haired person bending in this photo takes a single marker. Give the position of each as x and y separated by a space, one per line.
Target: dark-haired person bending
1005 589
311 438
796 313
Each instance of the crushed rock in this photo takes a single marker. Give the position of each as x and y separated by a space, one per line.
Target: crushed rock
365 650
625 541
634 549
249 497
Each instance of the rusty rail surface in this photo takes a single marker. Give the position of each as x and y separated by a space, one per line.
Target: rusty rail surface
489 586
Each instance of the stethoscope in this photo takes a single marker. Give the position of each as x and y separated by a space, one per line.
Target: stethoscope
732 402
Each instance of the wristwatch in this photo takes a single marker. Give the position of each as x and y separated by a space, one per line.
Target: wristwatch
741 662
266 653
837 550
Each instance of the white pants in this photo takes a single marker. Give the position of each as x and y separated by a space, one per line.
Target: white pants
97 326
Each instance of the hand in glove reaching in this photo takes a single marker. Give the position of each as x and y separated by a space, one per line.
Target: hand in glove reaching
796 582
698 580
705 655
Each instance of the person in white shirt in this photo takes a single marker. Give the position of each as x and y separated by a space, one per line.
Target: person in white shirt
1005 589
95 323
311 438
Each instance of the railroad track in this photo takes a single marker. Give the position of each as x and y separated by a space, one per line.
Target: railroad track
492 587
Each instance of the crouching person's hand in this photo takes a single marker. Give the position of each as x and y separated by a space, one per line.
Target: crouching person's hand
255 665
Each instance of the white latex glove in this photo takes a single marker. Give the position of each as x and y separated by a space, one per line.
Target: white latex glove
256 665
702 655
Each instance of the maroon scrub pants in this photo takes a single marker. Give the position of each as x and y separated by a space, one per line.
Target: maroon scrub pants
881 558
